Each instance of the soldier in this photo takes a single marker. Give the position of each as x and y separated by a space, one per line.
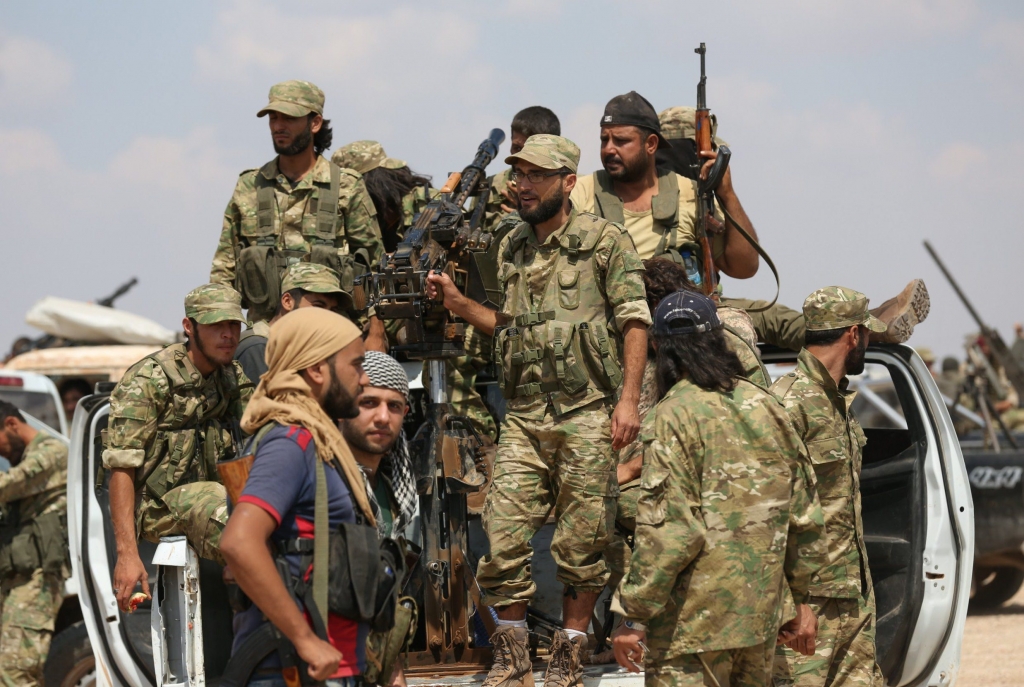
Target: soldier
398 193
658 208
34 558
315 374
286 210
502 199
573 307
950 380
305 285
779 325
818 402
663 277
173 415
726 481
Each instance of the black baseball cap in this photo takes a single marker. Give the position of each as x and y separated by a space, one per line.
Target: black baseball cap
685 312
634 110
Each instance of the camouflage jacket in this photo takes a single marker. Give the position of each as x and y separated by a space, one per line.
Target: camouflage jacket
586 273
820 413
413 203
295 223
39 482
739 332
493 212
728 524
151 419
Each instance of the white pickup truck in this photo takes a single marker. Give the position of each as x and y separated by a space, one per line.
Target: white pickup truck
918 517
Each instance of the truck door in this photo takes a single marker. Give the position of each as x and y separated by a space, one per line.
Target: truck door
918 517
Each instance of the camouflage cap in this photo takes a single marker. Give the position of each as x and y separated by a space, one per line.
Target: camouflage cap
295 99
548 152
836 307
213 303
681 122
362 156
311 277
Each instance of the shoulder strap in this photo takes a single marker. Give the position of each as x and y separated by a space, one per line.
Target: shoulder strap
665 205
327 208
760 251
782 387
266 202
321 525
606 203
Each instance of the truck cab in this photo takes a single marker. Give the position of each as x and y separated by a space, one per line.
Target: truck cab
918 518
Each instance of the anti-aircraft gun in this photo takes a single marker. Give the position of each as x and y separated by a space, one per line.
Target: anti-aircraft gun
446 448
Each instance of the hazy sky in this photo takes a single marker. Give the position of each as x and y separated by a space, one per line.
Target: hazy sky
858 128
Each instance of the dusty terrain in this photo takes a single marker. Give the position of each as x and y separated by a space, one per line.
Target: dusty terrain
992 655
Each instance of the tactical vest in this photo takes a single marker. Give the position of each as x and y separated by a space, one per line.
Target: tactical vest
261 264
39 544
664 209
567 343
189 439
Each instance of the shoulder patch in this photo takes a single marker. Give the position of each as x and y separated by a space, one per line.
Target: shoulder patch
300 435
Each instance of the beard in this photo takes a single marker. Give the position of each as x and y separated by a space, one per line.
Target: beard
632 170
545 210
855 358
17 448
338 403
300 143
214 356
360 441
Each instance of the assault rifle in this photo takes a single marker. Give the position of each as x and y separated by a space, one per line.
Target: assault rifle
992 338
440 240
707 225
446 447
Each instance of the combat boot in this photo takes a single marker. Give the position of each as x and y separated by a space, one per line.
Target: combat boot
902 313
512 666
565 668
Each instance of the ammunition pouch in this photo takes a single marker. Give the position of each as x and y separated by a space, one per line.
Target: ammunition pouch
364 575
597 347
41 544
258 279
384 648
190 455
508 359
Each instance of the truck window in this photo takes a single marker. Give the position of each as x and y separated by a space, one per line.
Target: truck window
38 404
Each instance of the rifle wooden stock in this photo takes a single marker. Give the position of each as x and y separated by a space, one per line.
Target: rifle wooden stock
452 183
234 474
703 131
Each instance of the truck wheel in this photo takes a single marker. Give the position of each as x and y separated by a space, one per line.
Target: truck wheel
995 586
70 662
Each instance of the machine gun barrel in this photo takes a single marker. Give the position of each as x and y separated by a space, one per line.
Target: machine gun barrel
121 290
473 174
995 342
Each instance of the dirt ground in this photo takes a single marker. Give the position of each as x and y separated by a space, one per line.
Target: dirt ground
991 650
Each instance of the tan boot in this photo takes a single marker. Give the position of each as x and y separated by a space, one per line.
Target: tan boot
902 313
565 668
512 666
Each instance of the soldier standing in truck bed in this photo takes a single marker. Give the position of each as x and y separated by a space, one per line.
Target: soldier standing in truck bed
298 206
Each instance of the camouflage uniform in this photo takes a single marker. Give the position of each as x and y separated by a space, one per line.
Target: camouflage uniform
740 335
566 301
36 486
493 212
841 592
728 531
172 425
293 225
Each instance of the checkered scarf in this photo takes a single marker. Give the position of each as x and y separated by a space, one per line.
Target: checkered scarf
396 466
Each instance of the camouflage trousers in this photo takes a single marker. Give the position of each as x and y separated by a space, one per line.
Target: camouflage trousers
565 463
778 325
462 373
199 511
747 667
30 606
619 552
845 652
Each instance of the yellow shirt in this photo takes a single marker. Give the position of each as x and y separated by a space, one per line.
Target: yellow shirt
640 225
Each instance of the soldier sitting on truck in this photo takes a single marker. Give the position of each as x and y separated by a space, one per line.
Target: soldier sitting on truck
305 285
34 554
173 415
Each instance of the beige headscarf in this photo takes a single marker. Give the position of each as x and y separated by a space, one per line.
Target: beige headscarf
301 339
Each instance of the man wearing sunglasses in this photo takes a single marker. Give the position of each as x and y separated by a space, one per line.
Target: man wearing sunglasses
571 329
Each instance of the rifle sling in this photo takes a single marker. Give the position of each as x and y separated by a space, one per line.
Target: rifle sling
760 251
321 534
